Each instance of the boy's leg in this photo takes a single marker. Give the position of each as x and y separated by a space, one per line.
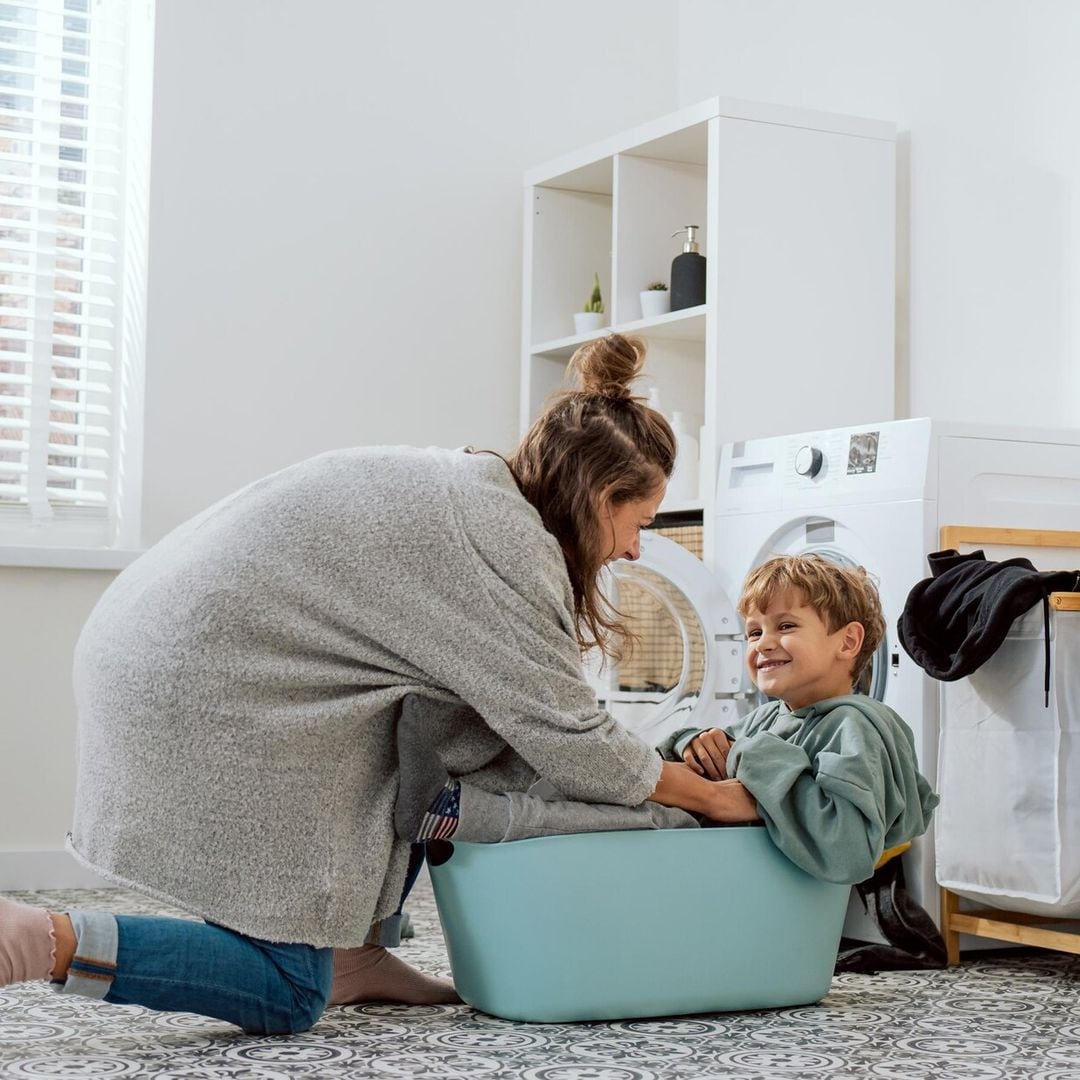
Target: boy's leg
466 813
433 806
482 818
531 815
174 965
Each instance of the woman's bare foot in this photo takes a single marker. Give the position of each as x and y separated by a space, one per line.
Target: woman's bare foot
371 973
28 946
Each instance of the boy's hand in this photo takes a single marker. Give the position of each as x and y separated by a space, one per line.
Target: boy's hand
707 754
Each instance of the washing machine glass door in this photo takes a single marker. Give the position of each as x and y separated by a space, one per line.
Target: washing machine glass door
682 658
833 541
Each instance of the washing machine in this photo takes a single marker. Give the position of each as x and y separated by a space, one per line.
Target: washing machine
872 495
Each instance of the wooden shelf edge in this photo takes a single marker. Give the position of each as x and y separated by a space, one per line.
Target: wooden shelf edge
952 536
1016 932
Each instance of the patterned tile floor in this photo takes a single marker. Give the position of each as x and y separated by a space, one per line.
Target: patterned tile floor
1016 1015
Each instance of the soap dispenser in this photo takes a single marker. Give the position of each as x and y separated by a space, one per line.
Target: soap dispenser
687 272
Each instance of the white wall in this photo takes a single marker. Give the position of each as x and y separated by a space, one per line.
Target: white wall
41 611
986 94
336 210
336 218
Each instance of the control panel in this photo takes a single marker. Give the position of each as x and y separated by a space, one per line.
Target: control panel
867 463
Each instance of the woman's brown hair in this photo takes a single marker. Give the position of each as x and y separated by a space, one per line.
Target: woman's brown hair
595 446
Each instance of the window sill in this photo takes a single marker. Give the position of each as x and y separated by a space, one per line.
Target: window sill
67 558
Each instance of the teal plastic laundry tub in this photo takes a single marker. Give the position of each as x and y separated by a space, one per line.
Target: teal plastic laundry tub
601 926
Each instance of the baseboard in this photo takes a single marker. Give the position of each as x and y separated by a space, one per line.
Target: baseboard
23 870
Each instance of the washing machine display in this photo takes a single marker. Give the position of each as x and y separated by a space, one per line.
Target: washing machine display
863 452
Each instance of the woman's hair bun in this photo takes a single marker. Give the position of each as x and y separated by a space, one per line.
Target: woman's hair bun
609 365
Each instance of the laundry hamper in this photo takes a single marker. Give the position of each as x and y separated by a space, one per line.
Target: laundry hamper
1008 828
599 926
1007 832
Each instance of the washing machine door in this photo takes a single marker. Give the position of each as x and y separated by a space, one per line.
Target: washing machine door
683 656
833 540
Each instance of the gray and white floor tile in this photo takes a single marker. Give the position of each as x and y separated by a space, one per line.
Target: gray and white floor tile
1009 1015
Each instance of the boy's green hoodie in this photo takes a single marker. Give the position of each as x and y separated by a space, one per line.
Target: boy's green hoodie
836 782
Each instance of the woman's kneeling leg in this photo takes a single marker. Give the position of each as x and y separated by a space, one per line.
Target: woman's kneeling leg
177 965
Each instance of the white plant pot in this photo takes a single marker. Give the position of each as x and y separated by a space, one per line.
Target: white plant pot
655 302
585 322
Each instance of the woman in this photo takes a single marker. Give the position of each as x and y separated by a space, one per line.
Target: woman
239 685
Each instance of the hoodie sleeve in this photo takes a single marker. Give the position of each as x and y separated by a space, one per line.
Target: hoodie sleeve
671 749
829 815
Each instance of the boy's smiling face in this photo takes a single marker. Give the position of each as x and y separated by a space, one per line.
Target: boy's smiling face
793 656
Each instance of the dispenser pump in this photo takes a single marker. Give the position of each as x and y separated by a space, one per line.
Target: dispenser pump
687 272
690 243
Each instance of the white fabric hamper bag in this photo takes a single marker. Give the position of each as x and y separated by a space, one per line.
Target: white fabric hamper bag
1007 832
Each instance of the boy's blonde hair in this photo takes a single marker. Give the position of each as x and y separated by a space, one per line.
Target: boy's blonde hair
838 594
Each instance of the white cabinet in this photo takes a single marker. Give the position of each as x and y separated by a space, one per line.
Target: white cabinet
797 218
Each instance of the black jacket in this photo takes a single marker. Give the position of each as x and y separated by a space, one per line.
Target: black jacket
955 620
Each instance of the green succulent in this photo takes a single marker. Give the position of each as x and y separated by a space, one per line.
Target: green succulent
657 286
595 303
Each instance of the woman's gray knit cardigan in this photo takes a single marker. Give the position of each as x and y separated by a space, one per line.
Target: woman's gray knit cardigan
238 686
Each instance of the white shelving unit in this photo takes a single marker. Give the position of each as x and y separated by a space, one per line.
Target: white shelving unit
797 218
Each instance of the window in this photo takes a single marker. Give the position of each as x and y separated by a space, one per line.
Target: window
75 79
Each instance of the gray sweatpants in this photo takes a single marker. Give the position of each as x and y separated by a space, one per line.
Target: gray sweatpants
533 816
541 811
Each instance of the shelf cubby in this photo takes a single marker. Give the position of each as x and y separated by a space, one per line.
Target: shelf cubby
571 240
653 199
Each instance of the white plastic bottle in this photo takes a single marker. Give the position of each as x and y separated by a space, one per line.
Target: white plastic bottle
683 485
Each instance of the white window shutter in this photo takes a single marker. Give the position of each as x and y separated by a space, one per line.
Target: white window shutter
75 81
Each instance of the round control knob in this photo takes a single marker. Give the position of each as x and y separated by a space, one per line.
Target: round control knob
808 461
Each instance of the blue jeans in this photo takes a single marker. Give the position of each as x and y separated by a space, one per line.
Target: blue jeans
180 966
176 965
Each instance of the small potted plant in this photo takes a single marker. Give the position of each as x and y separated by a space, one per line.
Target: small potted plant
591 317
655 300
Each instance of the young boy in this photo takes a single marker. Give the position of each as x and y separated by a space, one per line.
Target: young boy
832 774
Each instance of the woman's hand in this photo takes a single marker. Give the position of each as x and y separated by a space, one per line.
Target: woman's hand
707 754
724 800
732 803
